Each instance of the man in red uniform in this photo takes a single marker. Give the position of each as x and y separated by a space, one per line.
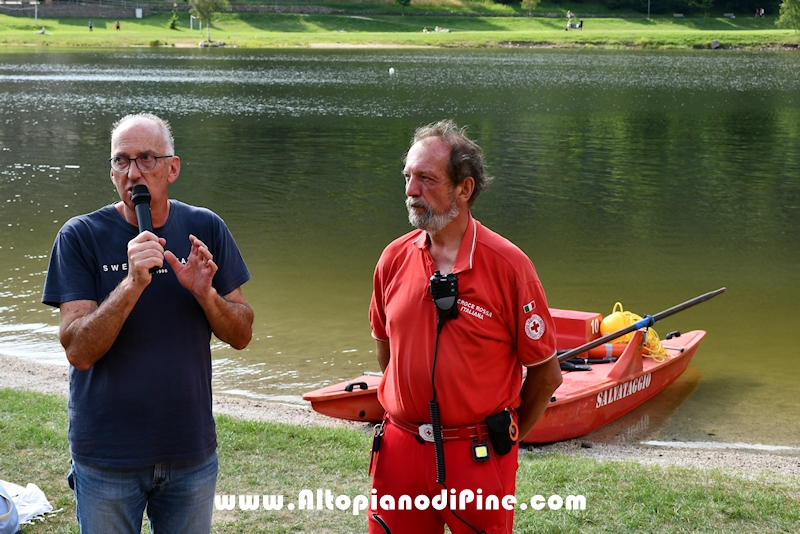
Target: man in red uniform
452 388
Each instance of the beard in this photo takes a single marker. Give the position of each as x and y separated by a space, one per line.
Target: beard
429 220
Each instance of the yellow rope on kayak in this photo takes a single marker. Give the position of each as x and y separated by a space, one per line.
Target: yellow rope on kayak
619 319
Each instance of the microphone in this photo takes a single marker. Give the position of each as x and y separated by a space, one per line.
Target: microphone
141 202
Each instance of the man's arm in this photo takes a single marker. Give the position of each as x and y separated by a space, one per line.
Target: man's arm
539 386
382 350
87 330
230 316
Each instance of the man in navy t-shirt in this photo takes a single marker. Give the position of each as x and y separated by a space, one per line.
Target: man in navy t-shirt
137 314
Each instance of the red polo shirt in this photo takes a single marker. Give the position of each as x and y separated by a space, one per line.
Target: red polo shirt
503 324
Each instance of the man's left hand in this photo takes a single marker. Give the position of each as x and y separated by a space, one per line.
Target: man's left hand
198 271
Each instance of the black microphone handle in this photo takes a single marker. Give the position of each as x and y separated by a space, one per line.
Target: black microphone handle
143 217
145 221
141 204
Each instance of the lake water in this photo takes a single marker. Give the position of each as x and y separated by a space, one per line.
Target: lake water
641 177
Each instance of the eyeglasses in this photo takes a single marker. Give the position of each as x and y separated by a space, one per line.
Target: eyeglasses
145 162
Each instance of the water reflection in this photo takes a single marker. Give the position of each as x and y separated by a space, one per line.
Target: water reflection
643 177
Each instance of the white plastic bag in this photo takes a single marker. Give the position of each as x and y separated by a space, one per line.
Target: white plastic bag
30 501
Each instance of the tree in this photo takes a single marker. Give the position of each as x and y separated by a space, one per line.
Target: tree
530 5
789 15
705 5
204 9
403 4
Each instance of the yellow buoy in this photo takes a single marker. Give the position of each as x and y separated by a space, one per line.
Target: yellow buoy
617 320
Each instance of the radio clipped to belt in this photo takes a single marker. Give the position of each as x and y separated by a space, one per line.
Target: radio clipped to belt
503 432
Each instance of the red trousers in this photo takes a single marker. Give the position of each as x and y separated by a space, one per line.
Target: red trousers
406 466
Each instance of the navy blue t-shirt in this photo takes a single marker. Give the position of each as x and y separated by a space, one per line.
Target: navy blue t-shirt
148 399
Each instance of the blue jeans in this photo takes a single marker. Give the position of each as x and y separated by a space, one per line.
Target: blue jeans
179 497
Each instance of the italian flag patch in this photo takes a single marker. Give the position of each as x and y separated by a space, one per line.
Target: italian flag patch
529 307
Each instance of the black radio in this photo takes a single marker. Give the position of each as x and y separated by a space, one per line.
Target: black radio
445 295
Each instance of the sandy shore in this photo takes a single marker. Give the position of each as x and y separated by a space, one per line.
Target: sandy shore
343 46
21 374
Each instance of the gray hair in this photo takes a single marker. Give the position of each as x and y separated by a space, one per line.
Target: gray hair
166 129
466 157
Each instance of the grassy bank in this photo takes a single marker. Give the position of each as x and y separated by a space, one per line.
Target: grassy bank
252 30
262 458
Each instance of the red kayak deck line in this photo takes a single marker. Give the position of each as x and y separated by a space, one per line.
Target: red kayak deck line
584 402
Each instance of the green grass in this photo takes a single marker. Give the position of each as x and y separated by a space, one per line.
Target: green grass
263 458
251 30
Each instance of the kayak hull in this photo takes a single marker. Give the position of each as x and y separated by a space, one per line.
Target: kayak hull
588 400
353 400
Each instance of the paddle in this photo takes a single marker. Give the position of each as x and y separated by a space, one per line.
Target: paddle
647 321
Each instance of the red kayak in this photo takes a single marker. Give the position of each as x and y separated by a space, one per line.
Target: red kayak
354 400
585 401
